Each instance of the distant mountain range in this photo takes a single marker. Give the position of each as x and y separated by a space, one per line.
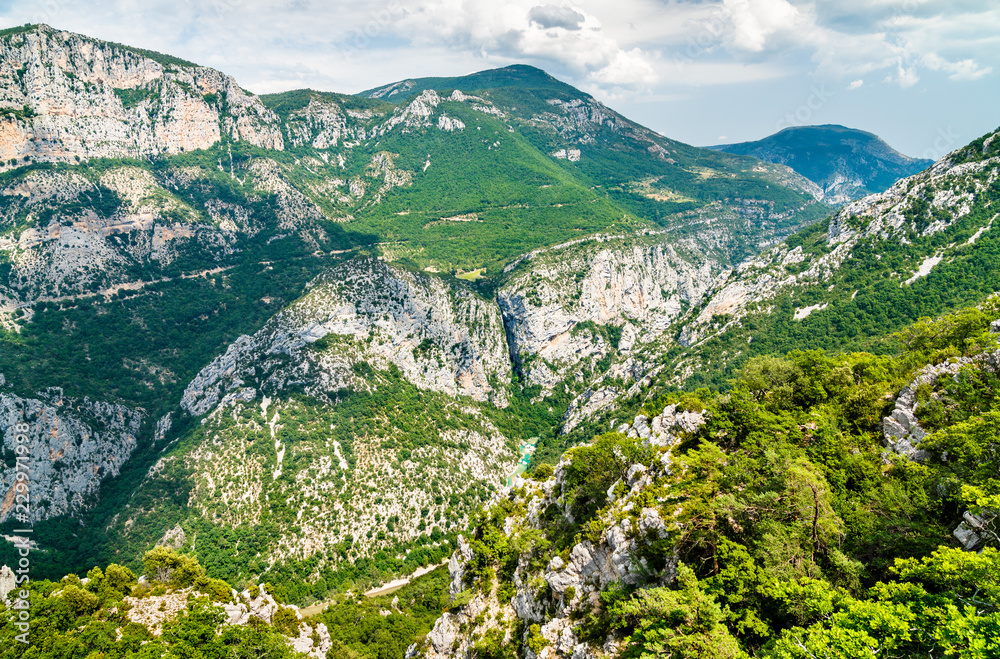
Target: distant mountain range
845 163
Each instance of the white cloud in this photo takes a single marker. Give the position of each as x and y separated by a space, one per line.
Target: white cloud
628 68
567 35
966 69
753 22
551 16
905 76
855 84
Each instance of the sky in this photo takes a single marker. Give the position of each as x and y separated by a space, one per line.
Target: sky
922 74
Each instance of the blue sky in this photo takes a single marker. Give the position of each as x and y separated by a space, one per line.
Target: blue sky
923 74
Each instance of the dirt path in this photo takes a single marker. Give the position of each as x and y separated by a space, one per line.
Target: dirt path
384 589
108 292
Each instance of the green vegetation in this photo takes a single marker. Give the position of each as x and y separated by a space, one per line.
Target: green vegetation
161 58
359 630
788 531
70 618
797 533
131 98
73 618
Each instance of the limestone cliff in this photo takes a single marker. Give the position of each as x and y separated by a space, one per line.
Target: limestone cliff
72 97
581 301
73 446
441 336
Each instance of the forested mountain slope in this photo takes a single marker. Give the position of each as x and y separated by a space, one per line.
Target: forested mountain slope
825 505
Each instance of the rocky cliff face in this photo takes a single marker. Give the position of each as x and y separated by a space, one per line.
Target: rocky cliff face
579 302
72 97
73 446
69 233
441 336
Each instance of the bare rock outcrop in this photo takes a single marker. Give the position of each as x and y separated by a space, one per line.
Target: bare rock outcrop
74 96
73 445
922 205
441 337
557 301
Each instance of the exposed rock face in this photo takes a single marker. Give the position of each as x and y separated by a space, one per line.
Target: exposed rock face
975 529
174 538
8 581
152 611
552 303
305 643
80 97
441 336
98 230
73 446
901 431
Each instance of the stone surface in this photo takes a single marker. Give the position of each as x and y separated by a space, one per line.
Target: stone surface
555 298
7 581
94 99
441 336
73 446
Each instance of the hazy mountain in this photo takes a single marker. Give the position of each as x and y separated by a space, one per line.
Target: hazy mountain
846 163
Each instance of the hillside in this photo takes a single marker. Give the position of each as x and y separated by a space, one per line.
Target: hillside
919 249
845 163
201 259
826 505
304 338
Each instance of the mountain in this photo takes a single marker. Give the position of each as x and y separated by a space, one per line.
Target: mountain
313 341
879 264
307 335
845 163
352 282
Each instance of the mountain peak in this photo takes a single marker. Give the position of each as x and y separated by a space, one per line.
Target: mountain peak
521 76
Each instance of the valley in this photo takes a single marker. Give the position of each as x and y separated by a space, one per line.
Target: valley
641 397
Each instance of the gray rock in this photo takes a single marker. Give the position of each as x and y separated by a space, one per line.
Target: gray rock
973 530
7 581
441 336
444 634
174 538
73 446
456 565
606 280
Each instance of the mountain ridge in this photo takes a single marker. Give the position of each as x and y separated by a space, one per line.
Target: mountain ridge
846 163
